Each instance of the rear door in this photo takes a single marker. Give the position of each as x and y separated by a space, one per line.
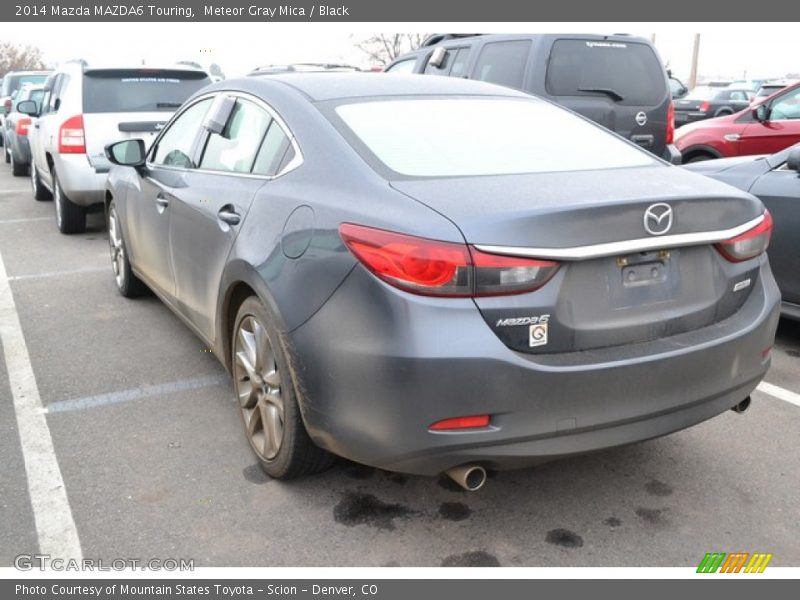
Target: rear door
213 201
618 84
44 131
779 190
779 132
132 103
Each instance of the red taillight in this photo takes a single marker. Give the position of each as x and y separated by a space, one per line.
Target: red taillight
436 268
750 244
71 139
23 126
7 106
670 123
472 422
704 106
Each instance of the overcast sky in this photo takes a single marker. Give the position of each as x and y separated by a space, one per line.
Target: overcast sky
727 50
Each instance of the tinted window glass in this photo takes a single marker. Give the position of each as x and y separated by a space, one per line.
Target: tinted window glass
428 137
34 95
12 83
459 68
626 69
139 90
404 66
235 149
175 146
272 151
454 63
503 63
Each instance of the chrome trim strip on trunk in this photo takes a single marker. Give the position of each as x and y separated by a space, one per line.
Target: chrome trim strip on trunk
623 247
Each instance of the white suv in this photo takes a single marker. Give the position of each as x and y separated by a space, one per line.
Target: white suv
83 110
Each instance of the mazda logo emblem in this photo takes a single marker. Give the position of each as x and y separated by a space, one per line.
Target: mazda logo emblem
641 118
658 218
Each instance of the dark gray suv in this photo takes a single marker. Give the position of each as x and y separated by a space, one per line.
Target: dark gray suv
617 81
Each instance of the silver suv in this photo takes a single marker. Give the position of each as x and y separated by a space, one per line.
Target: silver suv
86 108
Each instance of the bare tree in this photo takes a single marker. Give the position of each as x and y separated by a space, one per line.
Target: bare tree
19 58
383 48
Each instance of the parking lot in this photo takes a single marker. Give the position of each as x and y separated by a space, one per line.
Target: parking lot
148 442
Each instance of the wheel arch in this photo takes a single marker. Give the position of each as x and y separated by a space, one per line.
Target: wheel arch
699 150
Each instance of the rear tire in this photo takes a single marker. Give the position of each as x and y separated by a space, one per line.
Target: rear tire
128 284
40 193
17 169
265 391
723 112
70 218
6 155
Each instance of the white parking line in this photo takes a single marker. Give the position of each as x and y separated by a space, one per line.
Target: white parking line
55 526
779 393
17 191
59 273
26 220
135 394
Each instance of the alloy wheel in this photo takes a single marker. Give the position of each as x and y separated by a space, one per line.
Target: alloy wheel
258 387
117 248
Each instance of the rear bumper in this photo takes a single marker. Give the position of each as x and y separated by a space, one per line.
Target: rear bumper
79 179
672 155
378 366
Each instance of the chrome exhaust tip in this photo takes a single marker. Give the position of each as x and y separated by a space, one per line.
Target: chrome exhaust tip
742 406
469 477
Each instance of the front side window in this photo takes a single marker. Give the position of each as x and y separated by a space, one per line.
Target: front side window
235 148
175 147
786 107
461 136
404 66
503 63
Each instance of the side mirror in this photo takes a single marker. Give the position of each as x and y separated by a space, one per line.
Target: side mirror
793 160
28 107
127 153
218 114
438 56
761 113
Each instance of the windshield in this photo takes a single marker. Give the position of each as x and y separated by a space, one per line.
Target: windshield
461 136
11 83
139 90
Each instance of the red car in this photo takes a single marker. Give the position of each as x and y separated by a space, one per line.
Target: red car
768 126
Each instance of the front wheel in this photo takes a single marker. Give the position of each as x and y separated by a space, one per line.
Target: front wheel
267 397
128 284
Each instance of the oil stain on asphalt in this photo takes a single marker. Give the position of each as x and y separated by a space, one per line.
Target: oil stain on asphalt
613 522
365 509
654 487
454 511
471 559
255 474
652 516
564 538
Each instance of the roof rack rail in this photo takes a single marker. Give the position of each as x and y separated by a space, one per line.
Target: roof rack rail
437 38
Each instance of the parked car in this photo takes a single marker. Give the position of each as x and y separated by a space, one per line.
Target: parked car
17 125
303 68
677 88
705 102
770 87
775 179
771 125
383 288
617 81
84 108
12 82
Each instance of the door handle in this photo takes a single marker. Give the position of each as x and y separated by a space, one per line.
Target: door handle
36 126
162 202
227 214
643 140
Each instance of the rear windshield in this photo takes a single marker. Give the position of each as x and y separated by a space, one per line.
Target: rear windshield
139 90
629 73
462 136
11 83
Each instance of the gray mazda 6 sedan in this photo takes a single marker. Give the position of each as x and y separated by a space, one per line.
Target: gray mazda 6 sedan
430 275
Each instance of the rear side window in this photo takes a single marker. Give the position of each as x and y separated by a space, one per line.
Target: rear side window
139 90
503 63
455 63
271 155
235 149
628 72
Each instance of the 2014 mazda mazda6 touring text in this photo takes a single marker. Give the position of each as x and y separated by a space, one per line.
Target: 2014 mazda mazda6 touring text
426 274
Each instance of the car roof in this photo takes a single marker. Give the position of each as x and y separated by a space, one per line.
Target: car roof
335 85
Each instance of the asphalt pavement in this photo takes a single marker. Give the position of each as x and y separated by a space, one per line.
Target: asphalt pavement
147 441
